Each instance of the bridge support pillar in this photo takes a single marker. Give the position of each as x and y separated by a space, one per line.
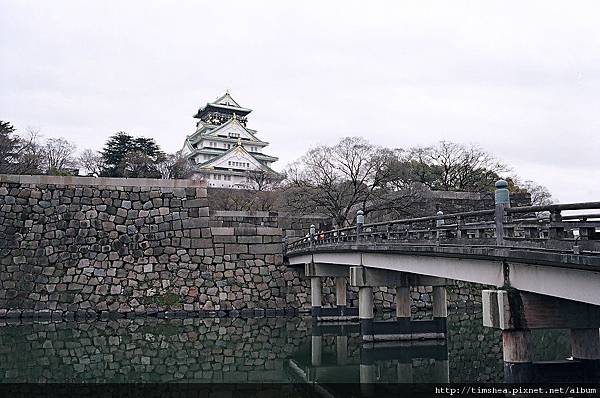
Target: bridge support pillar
339 273
316 349
585 344
403 328
365 310
440 303
440 307
518 365
516 313
441 371
340 292
404 372
403 302
368 376
341 349
315 295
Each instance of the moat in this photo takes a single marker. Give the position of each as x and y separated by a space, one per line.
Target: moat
248 350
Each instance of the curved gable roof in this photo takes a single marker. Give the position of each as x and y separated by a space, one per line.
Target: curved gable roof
234 125
238 150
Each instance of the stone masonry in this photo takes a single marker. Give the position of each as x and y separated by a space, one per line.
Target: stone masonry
131 246
80 246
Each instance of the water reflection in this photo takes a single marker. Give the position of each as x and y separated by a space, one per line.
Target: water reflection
248 350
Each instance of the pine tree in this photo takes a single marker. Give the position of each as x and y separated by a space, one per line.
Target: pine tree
127 156
114 153
9 147
149 147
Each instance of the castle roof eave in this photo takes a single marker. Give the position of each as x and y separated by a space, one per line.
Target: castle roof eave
222 151
240 111
212 160
232 120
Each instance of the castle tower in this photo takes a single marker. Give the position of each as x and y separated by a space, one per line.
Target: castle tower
223 150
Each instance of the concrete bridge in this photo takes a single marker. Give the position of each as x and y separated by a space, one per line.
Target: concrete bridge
544 263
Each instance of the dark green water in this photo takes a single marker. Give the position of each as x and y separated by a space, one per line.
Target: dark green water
244 350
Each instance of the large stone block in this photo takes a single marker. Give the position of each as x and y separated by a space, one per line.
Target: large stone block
269 248
224 239
235 248
195 223
268 231
250 239
195 203
222 231
245 230
201 243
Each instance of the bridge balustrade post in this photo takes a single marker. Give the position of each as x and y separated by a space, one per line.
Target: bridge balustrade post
587 233
502 201
556 230
459 224
439 223
360 220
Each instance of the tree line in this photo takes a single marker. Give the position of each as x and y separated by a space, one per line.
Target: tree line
337 180
123 155
334 180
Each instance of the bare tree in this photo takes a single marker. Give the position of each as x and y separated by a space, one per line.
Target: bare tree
31 153
260 180
450 166
232 199
91 161
58 155
175 166
339 179
540 195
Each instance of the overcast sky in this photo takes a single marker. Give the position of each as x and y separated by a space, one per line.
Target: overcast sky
521 79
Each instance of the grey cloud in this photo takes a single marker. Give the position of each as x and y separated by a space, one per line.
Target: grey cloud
521 79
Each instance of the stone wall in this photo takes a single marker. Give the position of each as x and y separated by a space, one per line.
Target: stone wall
83 247
70 244
292 226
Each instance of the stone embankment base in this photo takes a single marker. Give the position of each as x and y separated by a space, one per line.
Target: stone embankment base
45 315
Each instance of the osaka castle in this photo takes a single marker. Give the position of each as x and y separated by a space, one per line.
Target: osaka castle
223 150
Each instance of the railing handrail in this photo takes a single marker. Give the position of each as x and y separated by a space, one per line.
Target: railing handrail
553 208
404 221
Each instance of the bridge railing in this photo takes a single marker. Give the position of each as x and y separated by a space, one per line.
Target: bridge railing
529 226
